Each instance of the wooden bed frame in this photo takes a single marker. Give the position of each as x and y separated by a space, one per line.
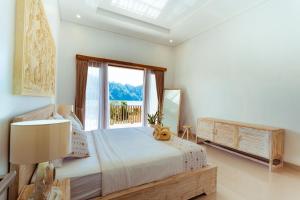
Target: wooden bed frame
182 186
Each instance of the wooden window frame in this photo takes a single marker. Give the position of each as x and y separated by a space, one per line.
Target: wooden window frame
118 63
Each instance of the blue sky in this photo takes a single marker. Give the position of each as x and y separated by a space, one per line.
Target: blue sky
125 76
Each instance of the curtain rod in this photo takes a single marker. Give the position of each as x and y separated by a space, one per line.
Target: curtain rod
120 63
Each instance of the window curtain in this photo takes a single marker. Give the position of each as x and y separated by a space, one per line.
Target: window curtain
104 101
94 113
147 76
160 79
81 81
150 95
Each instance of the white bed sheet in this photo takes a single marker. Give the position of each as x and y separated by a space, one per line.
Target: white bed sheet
130 157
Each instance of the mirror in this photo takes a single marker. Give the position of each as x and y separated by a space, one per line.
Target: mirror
171 109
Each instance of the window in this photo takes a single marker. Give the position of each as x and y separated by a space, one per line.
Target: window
124 102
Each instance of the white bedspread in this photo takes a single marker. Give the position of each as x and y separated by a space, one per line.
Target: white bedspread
131 157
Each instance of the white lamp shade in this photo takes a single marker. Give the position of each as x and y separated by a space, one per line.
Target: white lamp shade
39 141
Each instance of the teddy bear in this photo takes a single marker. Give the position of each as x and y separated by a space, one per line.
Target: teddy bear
162 133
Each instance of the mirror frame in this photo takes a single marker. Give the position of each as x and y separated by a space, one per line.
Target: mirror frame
179 113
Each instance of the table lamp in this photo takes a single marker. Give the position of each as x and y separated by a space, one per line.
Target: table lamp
40 141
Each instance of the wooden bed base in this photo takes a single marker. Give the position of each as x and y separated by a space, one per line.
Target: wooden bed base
182 186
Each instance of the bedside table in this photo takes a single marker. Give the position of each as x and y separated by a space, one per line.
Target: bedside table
64 186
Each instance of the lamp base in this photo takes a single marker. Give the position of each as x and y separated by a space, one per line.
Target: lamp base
44 181
56 194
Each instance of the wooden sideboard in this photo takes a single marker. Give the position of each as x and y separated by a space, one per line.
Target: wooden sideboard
263 144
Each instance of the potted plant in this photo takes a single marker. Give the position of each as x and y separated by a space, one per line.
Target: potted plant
154 119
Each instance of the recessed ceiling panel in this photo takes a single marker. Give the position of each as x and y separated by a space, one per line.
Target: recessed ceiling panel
158 21
160 12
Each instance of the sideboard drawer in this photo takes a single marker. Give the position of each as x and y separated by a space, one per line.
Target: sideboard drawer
254 141
206 129
224 134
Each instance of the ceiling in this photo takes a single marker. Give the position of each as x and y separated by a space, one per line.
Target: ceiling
168 22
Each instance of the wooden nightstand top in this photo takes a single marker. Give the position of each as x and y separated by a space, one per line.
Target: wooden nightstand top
64 186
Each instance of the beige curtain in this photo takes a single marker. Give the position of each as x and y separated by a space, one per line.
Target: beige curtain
81 81
160 79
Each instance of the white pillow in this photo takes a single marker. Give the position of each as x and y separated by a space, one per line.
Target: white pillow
76 124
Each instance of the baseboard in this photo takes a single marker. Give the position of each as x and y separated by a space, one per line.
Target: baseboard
292 166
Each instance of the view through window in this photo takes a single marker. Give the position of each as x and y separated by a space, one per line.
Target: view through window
126 96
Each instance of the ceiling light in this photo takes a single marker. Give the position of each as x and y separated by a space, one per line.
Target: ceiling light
171 41
78 16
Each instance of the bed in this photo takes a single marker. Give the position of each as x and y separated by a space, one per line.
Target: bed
129 166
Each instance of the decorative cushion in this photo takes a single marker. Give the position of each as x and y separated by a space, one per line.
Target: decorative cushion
76 124
79 145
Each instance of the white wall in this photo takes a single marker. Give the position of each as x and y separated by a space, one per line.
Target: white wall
247 69
11 105
77 39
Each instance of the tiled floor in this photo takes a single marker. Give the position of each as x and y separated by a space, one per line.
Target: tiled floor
242 179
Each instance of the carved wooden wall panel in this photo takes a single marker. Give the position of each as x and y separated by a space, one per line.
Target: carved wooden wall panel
35 58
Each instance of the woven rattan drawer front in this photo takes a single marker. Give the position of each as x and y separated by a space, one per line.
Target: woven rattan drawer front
254 141
205 129
224 134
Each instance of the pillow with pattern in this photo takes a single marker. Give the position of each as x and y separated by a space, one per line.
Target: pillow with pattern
80 147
